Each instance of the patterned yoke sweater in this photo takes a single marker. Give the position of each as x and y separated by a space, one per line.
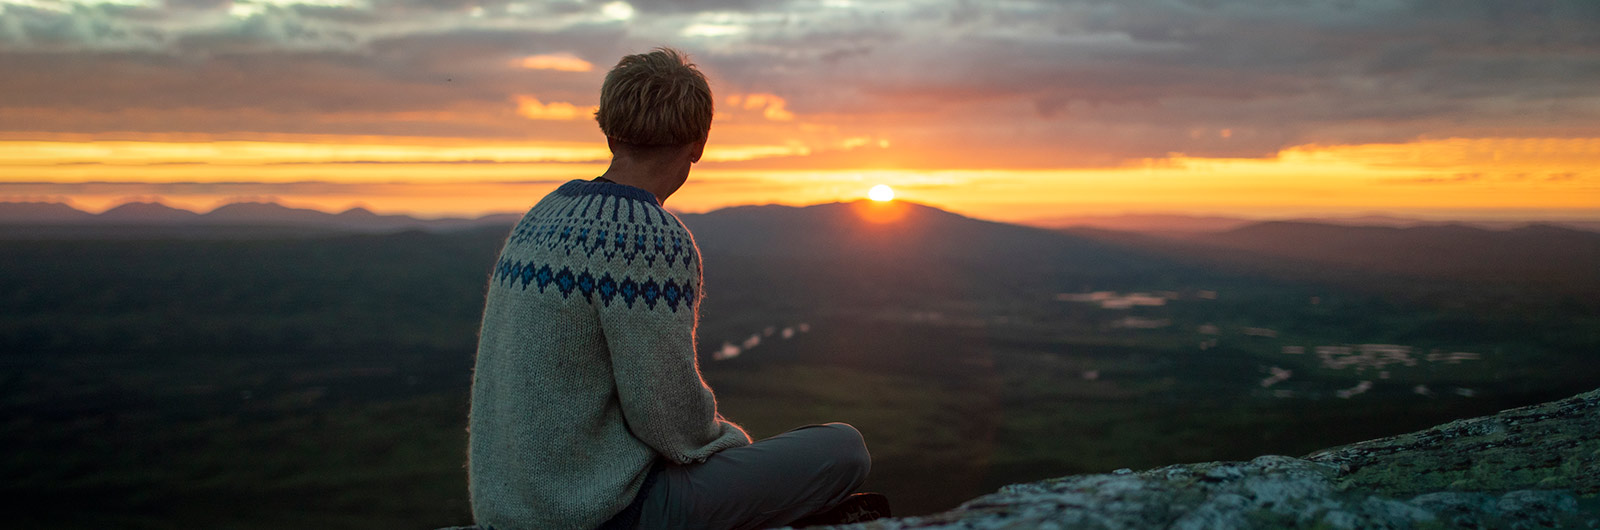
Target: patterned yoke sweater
586 371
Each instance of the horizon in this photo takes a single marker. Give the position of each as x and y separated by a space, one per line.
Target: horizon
1016 113
1047 223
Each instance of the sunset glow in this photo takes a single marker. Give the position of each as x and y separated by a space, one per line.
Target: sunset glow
880 212
881 193
1077 111
1455 178
563 62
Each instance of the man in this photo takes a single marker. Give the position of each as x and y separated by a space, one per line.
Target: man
588 409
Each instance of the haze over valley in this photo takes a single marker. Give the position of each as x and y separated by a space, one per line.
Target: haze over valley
335 357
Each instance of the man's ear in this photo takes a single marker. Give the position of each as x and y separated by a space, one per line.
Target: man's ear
699 150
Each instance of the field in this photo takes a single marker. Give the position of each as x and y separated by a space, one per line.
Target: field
299 381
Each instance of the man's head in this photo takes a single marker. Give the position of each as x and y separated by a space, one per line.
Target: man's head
653 100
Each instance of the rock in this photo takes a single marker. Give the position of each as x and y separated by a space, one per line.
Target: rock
1530 467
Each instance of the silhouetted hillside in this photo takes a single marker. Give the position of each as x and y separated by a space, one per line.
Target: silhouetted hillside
1177 225
146 213
146 220
864 252
265 213
1147 222
41 212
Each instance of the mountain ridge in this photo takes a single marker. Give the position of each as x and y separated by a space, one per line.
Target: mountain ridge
897 251
155 212
146 212
1178 224
244 213
922 247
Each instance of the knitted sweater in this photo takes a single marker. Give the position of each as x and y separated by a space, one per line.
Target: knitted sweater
586 370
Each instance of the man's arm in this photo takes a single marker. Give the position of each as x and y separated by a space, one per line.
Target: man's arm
649 326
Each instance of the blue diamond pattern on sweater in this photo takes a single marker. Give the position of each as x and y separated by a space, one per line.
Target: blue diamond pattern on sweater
586 283
543 276
672 294
650 291
647 237
667 292
607 288
630 290
565 281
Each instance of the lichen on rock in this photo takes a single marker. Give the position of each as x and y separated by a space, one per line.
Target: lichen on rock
1529 467
1548 446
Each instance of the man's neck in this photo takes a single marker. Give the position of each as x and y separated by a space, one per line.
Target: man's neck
659 177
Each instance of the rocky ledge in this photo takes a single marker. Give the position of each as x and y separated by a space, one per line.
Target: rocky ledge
1530 467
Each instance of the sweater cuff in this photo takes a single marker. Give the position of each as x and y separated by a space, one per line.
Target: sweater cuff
732 436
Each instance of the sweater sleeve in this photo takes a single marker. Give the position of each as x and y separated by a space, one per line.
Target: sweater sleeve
650 331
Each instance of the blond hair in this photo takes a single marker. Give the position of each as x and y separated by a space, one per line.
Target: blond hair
656 98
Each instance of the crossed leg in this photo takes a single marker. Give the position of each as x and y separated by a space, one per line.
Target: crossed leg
768 483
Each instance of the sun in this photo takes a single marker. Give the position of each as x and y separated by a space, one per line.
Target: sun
881 193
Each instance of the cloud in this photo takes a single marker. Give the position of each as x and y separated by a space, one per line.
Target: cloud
560 62
41 154
296 188
1456 178
1275 74
770 106
530 107
1014 84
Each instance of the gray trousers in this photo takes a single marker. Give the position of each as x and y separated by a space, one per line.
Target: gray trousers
768 483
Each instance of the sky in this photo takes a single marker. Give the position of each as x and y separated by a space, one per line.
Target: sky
1008 110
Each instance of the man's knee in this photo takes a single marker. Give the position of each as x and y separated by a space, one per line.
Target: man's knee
849 450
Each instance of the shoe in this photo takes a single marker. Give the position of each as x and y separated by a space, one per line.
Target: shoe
857 508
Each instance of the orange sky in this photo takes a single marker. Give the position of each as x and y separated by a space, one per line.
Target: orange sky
1018 112
1448 178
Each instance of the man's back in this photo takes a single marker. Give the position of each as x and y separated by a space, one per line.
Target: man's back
586 368
587 404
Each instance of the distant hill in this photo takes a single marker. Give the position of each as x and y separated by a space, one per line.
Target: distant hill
245 219
867 252
1147 222
1387 220
1187 224
1536 254
146 213
901 247
266 213
41 212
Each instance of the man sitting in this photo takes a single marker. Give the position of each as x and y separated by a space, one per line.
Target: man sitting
588 409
